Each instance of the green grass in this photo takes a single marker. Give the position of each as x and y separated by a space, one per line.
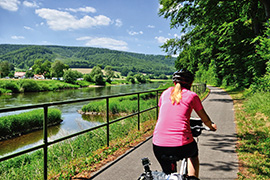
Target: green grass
127 104
253 131
13 125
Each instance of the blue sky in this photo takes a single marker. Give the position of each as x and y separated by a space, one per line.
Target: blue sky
126 25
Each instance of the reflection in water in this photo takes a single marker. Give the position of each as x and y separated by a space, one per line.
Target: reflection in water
23 142
72 121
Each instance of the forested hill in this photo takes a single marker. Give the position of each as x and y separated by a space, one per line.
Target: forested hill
24 56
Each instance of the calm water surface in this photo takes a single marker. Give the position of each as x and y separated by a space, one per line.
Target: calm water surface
72 120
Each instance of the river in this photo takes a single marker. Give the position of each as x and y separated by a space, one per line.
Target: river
72 120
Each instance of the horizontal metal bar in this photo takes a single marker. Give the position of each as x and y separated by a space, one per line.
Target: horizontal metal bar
76 134
21 152
148 109
122 118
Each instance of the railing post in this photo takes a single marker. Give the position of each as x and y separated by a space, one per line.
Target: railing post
45 141
157 105
108 121
138 111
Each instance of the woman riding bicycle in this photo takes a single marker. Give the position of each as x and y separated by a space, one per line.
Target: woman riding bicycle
172 135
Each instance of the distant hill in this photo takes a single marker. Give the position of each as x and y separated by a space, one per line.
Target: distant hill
24 56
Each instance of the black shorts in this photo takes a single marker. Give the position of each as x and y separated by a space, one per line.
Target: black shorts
180 152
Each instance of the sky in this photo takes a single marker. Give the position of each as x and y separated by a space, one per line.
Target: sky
125 25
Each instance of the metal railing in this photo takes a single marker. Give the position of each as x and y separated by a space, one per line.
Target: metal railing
45 106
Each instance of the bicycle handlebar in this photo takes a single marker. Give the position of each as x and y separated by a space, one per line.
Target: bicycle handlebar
201 128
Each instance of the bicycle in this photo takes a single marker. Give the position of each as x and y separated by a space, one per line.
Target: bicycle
196 128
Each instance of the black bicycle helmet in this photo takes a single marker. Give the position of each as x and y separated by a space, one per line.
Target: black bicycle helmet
184 77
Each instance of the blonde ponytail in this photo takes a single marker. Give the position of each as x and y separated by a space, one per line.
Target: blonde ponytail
176 95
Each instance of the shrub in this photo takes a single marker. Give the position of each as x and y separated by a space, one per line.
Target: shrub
28 85
10 85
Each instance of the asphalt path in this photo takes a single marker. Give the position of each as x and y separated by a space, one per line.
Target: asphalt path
218 159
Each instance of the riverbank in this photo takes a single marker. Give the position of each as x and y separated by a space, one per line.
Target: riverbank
16 125
8 86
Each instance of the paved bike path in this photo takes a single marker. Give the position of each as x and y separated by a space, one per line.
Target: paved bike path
218 159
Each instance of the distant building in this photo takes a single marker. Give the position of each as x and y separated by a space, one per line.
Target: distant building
37 76
19 75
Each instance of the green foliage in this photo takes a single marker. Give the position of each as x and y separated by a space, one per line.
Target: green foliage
97 75
219 38
130 79
109 73
207 76
41 67
28 85
24 56
140 78
71 76
6 68
88 77
26 122
10 85
58 68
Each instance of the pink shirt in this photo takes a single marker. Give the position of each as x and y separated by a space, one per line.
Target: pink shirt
173 126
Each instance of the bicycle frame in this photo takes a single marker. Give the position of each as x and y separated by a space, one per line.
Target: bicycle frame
184 168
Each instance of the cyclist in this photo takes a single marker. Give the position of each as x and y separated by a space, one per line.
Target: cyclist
172 135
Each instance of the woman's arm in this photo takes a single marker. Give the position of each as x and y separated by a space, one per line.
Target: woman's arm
206 120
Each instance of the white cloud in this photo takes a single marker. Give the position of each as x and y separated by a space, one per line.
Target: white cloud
150 26
85 9
161 39
132 33
10 5
17 37
104 42
118 22
60 20
30 4
27 28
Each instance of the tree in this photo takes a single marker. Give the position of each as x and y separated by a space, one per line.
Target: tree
140 78
6 68
109 73
71 76
29 74
97 75
57 69
219 31
88 77
46 67
130 79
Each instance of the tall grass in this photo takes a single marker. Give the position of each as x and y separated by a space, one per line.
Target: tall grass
13 125
127 104
253 130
